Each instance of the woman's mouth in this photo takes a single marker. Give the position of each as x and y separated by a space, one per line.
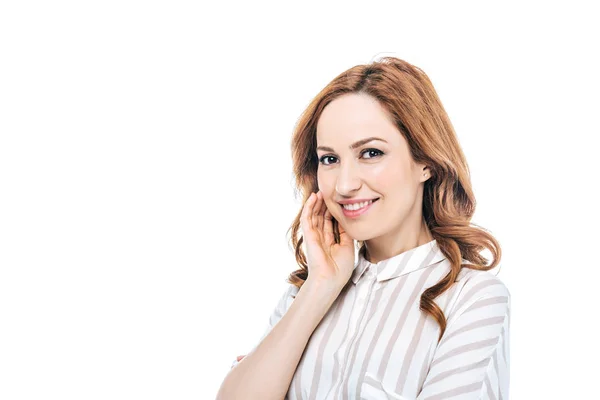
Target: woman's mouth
354 210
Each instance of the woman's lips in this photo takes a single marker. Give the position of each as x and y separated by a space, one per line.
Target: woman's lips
359 212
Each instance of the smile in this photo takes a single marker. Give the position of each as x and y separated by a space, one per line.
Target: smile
354 210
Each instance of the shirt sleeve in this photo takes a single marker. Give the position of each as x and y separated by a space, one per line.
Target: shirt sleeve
472 359
280 309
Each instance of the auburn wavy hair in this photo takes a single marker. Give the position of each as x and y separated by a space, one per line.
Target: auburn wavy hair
407 94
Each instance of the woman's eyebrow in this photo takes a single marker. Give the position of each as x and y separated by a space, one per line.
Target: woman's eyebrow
355 145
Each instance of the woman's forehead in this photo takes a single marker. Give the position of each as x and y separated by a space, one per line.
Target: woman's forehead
352 117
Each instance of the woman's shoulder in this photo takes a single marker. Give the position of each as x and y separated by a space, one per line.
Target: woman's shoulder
470 276
475 285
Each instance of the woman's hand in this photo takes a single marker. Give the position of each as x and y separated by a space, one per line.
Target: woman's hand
327 260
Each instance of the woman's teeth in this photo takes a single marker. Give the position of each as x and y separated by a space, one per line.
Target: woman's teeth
356 206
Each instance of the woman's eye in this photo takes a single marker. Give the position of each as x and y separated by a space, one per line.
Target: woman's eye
321 160
366 151
372 150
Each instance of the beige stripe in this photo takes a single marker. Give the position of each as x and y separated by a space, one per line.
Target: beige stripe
336 362
340 380
495 360
404 262
477 324
371 381
424 370
464 368
412 348
402 321
354 344
487 302
468 347
490 391
398 327
433 252
319 358
456 391
474 290
376 334
297 378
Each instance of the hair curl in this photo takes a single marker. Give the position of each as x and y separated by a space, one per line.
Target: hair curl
409 97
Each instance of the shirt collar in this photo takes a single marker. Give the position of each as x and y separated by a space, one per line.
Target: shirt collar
411 260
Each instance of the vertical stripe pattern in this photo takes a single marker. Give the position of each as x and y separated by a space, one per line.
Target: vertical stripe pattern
375 342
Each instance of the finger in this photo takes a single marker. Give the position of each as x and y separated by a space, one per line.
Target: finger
322 212
317 219
328 228
306 218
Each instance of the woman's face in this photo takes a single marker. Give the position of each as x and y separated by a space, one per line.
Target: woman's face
380 169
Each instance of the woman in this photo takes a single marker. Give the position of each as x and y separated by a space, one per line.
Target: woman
418 315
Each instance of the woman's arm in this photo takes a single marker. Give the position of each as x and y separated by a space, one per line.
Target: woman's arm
266 372
472 360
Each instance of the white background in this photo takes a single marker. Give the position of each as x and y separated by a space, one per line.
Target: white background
146 183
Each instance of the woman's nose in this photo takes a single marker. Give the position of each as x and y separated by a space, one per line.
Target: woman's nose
348 180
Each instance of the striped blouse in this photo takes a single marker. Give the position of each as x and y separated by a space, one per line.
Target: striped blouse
375 343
